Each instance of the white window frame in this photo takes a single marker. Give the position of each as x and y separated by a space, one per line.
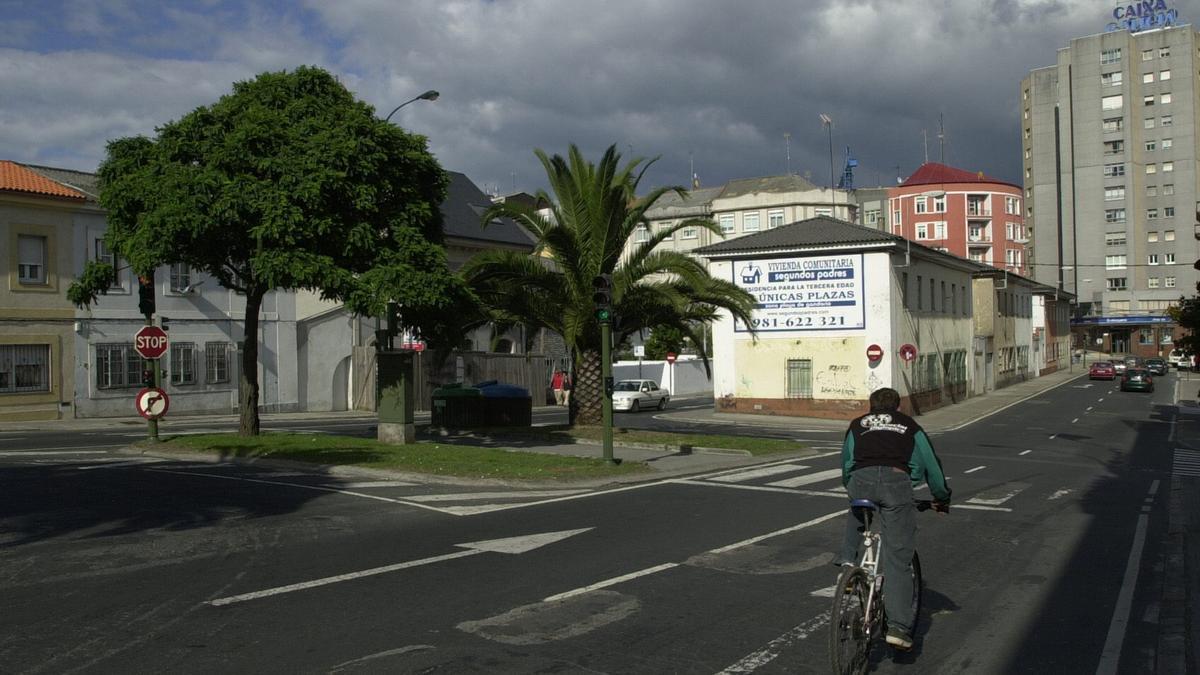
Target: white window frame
750 222
690 232
1114 193
1116 261
1114 102
216 362
180 278
1164 75
31 263
1169 282
939 204
183 363
726 221
1151 258
774 219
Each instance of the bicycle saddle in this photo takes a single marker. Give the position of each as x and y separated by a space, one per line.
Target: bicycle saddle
863 504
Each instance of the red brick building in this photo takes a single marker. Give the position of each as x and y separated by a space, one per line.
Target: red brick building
970 215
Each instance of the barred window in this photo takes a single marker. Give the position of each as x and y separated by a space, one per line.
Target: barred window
216 362
117 366
24 368
799 378
183 363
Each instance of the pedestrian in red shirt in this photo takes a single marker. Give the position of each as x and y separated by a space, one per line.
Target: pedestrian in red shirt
556 383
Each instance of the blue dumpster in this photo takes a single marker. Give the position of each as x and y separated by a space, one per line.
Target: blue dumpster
505 405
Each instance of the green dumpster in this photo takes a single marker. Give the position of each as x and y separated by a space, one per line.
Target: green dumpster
457 407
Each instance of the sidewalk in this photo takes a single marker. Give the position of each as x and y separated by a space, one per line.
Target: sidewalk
1179 616
946 418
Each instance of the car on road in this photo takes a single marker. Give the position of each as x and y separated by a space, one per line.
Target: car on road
1137 379
635 395
1102 370
1156 366
1179 359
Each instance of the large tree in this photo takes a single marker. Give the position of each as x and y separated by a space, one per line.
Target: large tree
593 212
287 183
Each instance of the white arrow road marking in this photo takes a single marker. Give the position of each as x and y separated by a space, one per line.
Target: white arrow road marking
1058 493
520 544
999 494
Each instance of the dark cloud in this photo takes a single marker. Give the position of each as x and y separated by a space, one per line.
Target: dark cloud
706 83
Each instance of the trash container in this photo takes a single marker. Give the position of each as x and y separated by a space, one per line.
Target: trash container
457 407
506 405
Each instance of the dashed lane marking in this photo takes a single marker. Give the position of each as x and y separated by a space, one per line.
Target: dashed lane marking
1026 452
978 468
998 495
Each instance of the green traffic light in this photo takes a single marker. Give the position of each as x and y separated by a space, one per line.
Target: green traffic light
603 314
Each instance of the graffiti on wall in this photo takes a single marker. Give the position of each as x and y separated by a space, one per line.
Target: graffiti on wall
836 381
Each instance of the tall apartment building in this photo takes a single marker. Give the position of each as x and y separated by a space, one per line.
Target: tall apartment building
1109 140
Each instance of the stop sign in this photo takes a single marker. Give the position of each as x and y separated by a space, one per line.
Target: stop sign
150 342
874 353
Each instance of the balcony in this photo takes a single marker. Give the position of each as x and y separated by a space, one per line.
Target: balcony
978 209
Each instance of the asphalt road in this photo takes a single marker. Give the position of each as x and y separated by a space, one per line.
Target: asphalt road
109 564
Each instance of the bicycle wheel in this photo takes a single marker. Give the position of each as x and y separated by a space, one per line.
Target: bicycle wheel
849 629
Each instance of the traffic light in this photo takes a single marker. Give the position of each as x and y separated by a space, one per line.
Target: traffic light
609 386
602 296
146 295
393 318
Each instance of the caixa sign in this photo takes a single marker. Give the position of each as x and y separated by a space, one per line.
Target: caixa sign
1143 15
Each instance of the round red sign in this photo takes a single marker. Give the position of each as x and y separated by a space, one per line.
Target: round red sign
908 352
670 357
150 342
874 353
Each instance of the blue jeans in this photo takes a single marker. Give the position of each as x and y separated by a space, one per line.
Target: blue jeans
891 490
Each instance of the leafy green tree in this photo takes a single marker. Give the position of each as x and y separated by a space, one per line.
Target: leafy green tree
593 213
664 339
287 183
1186 315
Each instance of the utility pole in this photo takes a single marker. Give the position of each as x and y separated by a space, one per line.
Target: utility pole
828 122
787 148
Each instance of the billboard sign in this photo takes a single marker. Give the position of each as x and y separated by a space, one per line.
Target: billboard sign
803 294
1142 15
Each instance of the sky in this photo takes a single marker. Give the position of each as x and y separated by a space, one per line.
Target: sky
723 89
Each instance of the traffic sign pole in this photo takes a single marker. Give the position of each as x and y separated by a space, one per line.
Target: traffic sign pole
152 422
606 399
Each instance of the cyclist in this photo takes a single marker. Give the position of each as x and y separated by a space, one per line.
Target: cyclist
884 456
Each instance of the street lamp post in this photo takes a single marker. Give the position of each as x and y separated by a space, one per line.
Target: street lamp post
430 95
828 122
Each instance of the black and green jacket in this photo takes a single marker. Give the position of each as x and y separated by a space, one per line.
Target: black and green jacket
891 438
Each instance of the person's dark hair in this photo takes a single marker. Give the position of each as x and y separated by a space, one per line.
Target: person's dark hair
886 399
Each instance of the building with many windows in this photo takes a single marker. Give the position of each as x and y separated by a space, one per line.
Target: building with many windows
1109 141
740 207
968 214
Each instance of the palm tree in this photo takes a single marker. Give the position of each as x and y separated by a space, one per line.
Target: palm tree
593 213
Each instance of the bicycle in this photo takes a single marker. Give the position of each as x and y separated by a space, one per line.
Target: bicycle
857 619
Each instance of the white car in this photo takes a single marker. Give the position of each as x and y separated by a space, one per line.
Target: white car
635 395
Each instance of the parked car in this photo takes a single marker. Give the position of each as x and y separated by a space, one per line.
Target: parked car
1137 379
1156 366
634 395
1179 358
1102 370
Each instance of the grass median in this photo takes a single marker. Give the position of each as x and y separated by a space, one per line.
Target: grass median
466 461
668 441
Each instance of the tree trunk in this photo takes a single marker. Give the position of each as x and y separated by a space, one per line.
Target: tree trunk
587 398
248 403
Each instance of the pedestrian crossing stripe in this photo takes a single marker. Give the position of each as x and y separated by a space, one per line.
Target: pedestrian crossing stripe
762 472
1187 462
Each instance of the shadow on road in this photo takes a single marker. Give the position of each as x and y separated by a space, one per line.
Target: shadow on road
1069 630
95 501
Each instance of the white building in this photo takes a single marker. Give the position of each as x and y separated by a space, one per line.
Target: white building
832 296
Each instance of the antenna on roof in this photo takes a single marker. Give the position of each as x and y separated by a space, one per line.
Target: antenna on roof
941 141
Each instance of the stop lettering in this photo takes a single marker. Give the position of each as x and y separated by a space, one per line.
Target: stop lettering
150 342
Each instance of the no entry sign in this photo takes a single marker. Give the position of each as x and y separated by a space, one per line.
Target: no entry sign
670 357
874 353
150 342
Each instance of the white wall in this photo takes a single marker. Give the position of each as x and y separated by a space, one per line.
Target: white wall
686 377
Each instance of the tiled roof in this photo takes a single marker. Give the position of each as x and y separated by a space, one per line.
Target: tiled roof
771 184
87 183
17 178
819 231
463 208
692 203
932 173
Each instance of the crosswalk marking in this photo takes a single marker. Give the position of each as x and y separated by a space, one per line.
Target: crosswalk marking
1187 462
476 496
999 494
808 479
758 473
